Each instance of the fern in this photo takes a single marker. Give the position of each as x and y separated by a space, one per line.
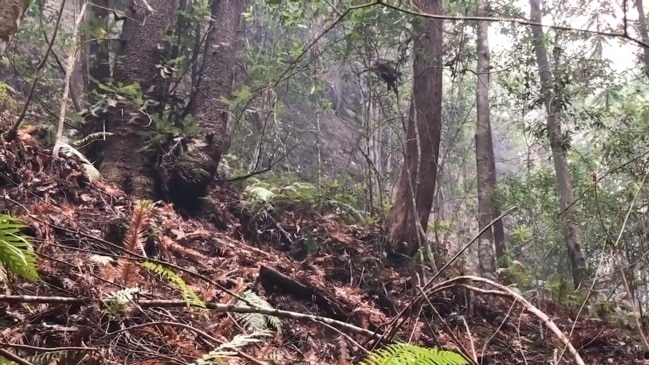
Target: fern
136 234
257 321
227 350
258 194
117 302
188 295
409 354
46 357
16 253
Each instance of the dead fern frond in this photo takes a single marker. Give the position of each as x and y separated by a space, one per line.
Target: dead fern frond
136 235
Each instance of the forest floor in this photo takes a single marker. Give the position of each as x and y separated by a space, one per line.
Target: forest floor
62 319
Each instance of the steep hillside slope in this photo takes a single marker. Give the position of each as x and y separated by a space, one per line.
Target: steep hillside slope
67 317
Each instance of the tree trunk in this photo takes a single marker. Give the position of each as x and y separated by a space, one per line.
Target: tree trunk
96 67
642 23
484 150
408 216
212 115
216 82
570 231
11 14
142 46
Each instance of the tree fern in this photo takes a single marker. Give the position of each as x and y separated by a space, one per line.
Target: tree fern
257 321
188 295
409 354
16 253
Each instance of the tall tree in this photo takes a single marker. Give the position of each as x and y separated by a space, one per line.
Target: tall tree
216 83
485 160
142 47
551 100
644 34
408 217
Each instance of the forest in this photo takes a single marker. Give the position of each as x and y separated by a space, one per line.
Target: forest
324 182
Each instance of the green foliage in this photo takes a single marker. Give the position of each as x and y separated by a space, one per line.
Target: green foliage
188 295
59 357
256 321
562 291
289 193
16 253
517 274
119 302
405 354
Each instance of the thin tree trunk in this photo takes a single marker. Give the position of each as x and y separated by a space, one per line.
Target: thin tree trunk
484 151
642 23
96 53
570 231
408 217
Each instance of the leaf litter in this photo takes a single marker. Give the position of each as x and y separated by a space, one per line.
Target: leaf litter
78 228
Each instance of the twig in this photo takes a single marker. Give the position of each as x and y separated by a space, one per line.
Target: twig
72 59
15 358
49 349
12 133
505 291
217 307
473 359
393 327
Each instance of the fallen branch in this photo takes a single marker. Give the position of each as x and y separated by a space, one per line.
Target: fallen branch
217 307
505 291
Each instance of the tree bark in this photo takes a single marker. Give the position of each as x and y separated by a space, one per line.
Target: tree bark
484 151
11 14
408 217
212 115
96 67
570 231
142 47
642 23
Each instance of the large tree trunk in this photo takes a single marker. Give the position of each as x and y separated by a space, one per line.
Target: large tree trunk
11 14
142 47
484 150
570 231
408 216
212 115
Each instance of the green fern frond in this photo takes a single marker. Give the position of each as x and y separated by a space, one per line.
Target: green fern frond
46 357
16 253
409 354
117 302
227 350
188 295
257 321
